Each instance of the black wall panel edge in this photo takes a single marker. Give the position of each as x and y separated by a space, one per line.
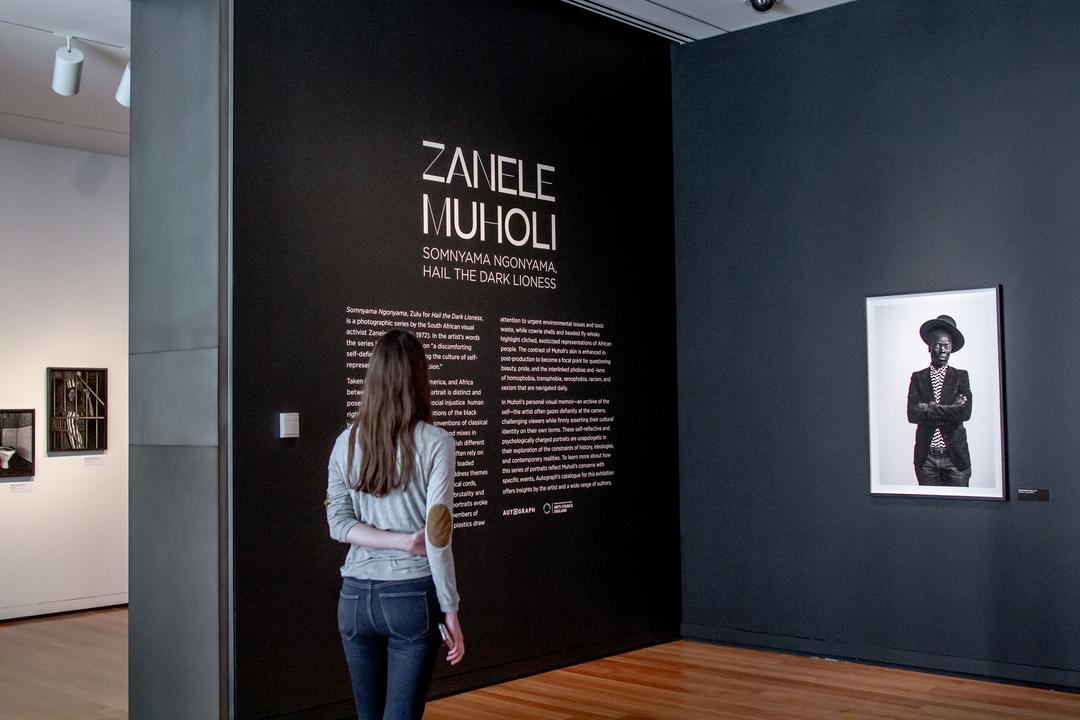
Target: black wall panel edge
341 164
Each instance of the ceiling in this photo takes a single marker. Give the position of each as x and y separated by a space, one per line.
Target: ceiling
689 20
92 120
29 109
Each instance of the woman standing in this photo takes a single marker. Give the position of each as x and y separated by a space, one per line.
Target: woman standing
390 496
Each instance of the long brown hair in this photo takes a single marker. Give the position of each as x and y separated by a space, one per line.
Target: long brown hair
397 395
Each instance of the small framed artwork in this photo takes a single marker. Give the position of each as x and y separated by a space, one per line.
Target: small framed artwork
935 394
78 409
16 444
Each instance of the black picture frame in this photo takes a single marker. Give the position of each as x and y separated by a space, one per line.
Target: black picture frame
898 373
78 410
17 444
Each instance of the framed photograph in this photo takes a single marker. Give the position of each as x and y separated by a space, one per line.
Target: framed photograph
935 391
16 444
78 409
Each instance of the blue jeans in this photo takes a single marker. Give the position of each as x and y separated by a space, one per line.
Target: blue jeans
389 629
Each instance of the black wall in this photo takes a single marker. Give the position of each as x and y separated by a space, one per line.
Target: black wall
332 101
881 147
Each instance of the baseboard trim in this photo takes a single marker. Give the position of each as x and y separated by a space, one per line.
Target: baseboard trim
52 607
1063 678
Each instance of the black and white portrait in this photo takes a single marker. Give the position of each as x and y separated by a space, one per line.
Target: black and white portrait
78 409
16 444
934 367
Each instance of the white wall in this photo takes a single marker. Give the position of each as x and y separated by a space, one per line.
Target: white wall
64 274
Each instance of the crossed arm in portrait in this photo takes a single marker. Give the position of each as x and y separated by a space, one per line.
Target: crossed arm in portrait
954 407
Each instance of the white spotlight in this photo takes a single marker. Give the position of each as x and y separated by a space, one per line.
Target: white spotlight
67 70
123 92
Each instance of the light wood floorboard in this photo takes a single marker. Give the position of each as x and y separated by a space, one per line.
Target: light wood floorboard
698 681
65 667
74 667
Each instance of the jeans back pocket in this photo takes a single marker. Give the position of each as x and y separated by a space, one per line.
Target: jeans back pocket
346 615
407 614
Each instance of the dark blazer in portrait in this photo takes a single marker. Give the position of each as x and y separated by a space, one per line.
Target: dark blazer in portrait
948 414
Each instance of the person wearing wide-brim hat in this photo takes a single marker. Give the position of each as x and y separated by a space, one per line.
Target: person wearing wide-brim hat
939 402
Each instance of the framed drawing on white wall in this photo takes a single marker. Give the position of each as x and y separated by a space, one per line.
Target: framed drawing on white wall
78 409
935 394
16 445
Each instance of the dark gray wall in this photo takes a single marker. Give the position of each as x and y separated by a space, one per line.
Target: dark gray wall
177 526
880 147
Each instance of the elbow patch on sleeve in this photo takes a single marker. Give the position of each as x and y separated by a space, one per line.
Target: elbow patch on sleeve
440 524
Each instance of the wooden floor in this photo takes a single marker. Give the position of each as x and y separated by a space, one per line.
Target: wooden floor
74 667
65 667
689 680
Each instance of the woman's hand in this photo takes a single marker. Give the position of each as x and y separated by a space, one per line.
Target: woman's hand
456 643
415 544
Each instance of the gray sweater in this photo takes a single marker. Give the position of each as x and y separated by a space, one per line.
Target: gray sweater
402 510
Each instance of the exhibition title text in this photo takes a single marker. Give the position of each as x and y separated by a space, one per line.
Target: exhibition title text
446 215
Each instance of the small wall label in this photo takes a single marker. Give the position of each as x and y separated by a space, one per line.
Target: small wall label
288 425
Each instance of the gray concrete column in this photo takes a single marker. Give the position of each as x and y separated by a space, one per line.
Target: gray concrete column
179 532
